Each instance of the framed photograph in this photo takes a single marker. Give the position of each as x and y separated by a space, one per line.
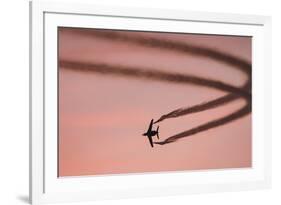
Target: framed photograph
129 102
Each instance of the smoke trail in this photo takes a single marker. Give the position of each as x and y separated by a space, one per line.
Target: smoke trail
123 71
166 44
171 77
215 123
240 64
198 108
180 47
203 106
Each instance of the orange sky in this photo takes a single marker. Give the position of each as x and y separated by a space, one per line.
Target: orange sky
102 118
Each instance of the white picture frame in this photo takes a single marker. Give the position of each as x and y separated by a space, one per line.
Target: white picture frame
46 187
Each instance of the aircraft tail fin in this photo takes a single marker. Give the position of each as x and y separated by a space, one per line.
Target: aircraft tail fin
158 132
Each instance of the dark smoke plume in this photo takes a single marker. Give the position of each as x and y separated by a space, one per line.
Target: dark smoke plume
215 123
168 45
180 47
124 71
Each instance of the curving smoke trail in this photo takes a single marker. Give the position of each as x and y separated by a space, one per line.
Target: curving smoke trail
205 106
124 71
199 107
209 125
234 92
174 78
168 45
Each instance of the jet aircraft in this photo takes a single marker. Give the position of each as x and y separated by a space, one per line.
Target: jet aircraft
150 133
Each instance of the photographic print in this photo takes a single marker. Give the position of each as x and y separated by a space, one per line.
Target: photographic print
144 102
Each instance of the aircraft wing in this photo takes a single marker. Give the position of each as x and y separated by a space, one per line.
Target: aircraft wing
150 140
150 126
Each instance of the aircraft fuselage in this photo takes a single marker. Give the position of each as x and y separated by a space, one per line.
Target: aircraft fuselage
152 133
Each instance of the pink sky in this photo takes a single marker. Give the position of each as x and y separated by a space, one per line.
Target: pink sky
102 118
